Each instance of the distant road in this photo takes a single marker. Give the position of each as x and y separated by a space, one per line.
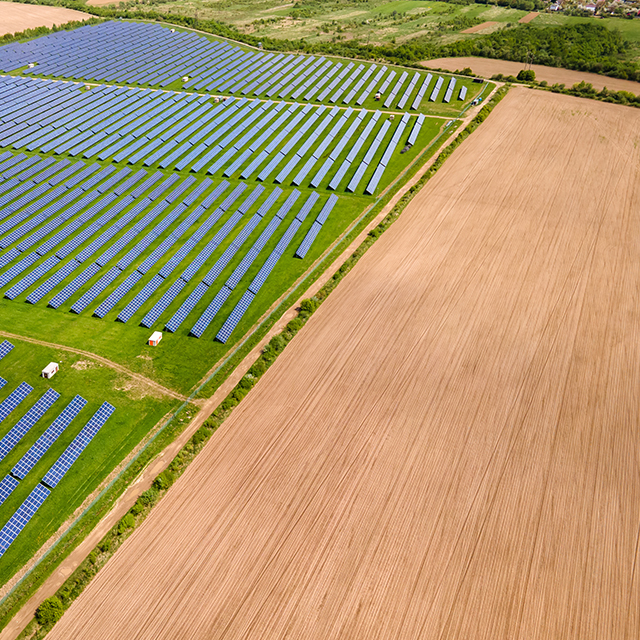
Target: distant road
488 67
16 17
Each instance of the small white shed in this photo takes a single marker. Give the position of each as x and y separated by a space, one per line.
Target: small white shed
50 370
155 338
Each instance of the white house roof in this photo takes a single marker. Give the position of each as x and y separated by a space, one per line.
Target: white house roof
156 335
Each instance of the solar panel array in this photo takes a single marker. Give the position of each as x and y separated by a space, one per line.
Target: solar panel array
5 348
13 400
79 444
51 434
22 516
131 53
22 427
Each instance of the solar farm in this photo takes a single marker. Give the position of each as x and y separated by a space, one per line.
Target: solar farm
154 179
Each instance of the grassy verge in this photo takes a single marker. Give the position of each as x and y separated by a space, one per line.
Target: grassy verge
52 609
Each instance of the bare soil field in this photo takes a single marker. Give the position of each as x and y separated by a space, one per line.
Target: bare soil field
449 449
488 67
16 17
480 27
529 17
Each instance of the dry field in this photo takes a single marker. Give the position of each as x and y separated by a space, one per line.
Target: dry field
450 448
529 17
488 67
480 27
16 17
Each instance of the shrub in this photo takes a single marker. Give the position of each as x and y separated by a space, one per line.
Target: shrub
164 480
50 611
527 75
128 522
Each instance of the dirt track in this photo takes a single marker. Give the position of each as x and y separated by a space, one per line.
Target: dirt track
16 17
488 67
449 448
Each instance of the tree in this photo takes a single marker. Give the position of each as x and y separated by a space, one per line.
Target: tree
527 75
50 611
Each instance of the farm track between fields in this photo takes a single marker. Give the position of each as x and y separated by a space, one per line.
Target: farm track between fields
448 449
147 382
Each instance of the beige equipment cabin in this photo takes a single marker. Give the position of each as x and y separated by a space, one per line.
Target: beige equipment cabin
155 338
50 370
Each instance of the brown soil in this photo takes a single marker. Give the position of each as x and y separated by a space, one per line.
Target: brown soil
449 448
16 17
488 67
480 27
529 17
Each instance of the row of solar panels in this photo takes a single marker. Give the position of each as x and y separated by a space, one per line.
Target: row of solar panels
146 54
232 137
147 231
35 453
61 466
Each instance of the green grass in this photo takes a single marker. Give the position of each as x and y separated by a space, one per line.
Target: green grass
136 414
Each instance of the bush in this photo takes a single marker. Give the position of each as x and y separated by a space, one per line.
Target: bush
50 611
527 75
128 522
163 481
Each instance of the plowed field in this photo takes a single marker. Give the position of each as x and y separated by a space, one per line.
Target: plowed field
16 17
450 448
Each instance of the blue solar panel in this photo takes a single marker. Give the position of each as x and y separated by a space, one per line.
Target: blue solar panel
186 308
5 348
44 442
79 444
205 319
3 382
22 516
42 405
12 401
234 317
90 295
140 298
8 484
163 303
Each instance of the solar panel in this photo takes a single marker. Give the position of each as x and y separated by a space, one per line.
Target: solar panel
163 303
8 484
235 316
44 442
79 444
13 400
3 382
22 516
186 307
140 298
22 427
5 348
206 318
